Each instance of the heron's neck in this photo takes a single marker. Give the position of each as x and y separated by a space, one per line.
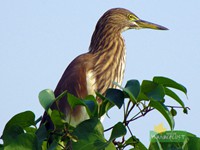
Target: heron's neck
109 59
103 37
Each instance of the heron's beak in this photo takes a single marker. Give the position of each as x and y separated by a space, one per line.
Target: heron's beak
146 24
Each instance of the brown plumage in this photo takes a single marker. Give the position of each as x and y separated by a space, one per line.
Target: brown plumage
103 64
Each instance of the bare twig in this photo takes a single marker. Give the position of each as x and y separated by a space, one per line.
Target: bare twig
142 115
129 111
108 129
177 107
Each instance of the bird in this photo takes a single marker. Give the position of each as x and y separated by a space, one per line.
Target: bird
97 69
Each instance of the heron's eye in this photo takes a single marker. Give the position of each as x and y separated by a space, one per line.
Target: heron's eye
131 17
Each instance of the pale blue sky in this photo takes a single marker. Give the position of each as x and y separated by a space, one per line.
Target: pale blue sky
39 38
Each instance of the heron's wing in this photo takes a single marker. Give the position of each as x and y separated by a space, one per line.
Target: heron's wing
74 78
73 81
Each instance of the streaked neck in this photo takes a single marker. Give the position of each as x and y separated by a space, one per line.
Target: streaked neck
109 58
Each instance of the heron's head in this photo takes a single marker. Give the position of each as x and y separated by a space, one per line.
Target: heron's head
120 19
112 23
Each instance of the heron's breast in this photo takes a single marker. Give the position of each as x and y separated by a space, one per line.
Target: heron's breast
91 83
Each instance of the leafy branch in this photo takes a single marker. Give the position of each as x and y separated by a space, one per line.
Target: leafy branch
21 131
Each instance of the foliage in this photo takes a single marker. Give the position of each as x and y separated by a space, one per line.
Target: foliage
177 140
21 131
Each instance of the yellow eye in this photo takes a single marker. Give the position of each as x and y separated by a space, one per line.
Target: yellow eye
132 17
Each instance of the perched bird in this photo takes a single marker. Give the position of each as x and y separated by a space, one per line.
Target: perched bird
104 63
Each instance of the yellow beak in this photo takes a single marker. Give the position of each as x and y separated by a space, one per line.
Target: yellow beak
146 24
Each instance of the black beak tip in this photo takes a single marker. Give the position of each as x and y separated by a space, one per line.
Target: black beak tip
162 28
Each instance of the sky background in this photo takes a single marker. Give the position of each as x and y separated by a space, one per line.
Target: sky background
39 38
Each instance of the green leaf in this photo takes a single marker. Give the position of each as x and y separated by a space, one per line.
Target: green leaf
164 111
194 142
133 141
24 141
105 106
90 97
1 147
90 135
179 140
169 83
133 87
115 96
132 90
24 119
54 146
46 98
157 93
74 101
173 95
110 146
152 90
146 87
41 134
58 118
140 146
118 130
102 109
92 105
17 124
11 134
62 95
100 96
30 129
